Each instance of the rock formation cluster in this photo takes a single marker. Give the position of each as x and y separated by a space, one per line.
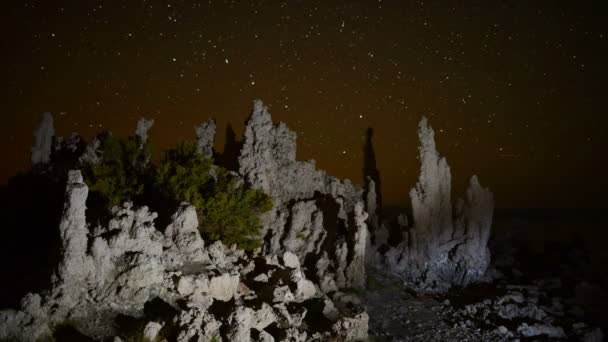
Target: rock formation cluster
315 240
444 247
316 216
128 267
318 239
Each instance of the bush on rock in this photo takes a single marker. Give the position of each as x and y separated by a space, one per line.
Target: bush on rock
227 209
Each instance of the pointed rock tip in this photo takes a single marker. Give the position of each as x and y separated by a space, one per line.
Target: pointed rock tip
474 181
258 106
424 127
424 122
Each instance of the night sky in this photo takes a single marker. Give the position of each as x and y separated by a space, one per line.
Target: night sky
516 90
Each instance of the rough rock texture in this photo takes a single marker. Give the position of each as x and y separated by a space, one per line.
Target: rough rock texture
268 161
92 153
444 247
73 231
183 243
205 137
43 143
172 282
315 215
141 131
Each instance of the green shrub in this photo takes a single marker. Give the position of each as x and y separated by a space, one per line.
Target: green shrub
183 175
120 175
227 211
231 212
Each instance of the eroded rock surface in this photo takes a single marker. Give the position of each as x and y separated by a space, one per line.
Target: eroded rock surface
205 137
315 215
128 268
444 247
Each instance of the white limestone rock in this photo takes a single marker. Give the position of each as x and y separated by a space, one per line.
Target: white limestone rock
224 287
282 294
75 265
548 330
31 323
141 131
264 337
443 248
352 329
197 325
263 317
355 271
205 137
151 330
184 237
240 324
291 260
310 206
305 233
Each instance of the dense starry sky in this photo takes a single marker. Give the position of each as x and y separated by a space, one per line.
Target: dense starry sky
515 90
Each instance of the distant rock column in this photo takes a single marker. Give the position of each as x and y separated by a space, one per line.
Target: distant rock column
75 264
473 225
205 137
266 151
41 151
443 248
431 203
142 129
356 269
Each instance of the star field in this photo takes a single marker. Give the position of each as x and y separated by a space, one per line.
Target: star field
515 92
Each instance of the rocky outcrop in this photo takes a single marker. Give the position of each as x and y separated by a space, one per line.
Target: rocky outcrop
444 247
268 161
205 137
142 129
315 216
528 311
124 270
75 265
43 143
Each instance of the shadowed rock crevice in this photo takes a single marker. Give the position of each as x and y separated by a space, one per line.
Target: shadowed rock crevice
229 156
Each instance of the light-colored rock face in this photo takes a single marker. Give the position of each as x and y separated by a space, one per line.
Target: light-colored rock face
183 237
268 161
43 140
443 248
142 129
215 292
224 286
355 271
315 214
73 231
205 137
353 329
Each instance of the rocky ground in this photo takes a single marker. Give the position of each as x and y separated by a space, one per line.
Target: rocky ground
532 298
